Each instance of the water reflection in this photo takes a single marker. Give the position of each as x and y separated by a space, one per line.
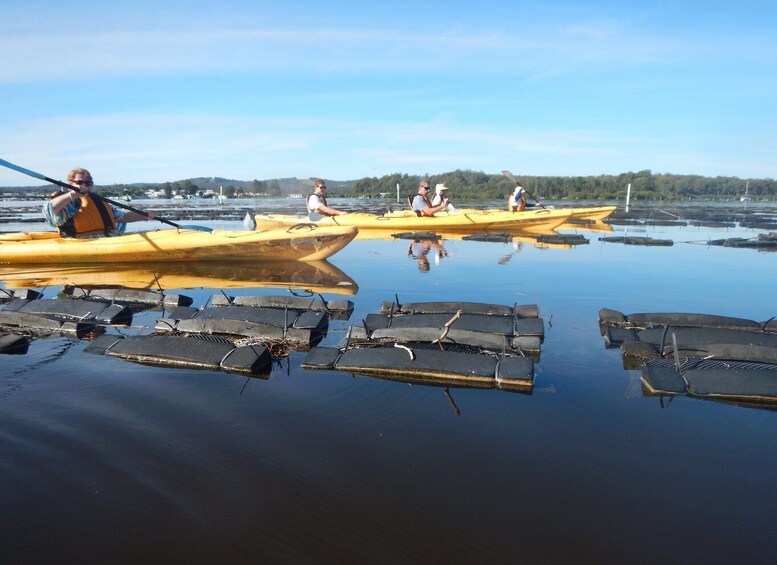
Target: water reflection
323 463
419 250
743 384
425 247
313 276
586 225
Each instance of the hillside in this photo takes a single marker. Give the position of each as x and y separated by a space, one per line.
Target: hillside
468 185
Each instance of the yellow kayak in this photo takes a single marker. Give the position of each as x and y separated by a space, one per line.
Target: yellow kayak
301 243
593 213
314 276
469 221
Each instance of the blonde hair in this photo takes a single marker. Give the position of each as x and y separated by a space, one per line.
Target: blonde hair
79 171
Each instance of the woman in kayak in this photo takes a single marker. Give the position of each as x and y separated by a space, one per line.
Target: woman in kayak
317 201
77 213
517 200
440 194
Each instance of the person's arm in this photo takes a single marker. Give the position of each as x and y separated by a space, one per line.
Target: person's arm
432 210
440 249
58 203
126 217
327 211
61 208
135 217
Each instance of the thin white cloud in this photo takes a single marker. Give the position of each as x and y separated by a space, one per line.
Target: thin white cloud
371 81
61 55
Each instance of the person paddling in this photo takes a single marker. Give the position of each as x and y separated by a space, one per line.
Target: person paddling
78 213
316 202
516 202
421 203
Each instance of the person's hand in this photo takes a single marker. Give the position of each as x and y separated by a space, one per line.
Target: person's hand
151 215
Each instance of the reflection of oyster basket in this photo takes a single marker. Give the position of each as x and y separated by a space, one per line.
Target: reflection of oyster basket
698 355
315 276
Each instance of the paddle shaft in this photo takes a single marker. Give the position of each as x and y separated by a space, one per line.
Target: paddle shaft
510 176
33 174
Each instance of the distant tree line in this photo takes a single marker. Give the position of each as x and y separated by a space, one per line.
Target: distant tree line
473 185
645 185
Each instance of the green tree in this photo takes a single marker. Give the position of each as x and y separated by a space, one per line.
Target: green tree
258 187
274 188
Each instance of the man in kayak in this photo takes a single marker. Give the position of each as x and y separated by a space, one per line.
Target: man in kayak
76 213
316 202
421 204
517 200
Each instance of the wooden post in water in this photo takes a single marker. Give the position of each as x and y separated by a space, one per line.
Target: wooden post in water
628 197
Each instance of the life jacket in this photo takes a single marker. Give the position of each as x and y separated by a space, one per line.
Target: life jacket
320 197
419 213
94 217
521 203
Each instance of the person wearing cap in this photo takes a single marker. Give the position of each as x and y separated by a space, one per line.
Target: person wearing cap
517 200
440 194
421 204
316 202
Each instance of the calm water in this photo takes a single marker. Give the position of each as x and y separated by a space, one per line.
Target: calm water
108 461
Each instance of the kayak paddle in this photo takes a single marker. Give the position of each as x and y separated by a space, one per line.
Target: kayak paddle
33 174
510 176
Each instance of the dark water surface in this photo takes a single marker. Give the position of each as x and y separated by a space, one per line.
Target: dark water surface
106 461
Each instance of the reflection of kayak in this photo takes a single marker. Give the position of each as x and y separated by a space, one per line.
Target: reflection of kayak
316 276
543 239
586 225
469 221
301 244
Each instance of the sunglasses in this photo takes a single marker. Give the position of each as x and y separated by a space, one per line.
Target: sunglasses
322 186
82 182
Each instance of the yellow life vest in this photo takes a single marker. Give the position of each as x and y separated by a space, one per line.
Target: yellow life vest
93 217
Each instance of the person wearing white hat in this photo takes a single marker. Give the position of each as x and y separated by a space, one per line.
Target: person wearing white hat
440 195
517 200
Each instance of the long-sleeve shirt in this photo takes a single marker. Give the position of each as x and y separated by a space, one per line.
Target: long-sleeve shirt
55 219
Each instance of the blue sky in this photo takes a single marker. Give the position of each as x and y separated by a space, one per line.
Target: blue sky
162 91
